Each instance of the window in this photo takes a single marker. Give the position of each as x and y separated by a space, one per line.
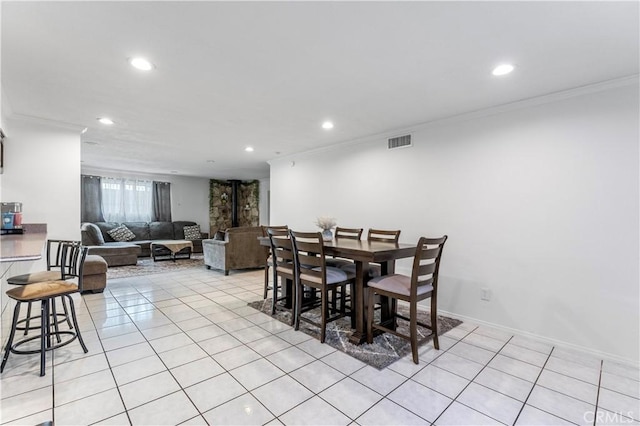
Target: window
127 200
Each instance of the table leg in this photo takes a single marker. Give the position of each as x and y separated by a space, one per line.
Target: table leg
358 300
387 308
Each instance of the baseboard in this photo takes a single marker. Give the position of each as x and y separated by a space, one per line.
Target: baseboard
554 342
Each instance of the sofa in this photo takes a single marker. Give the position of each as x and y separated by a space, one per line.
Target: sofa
236 248
96 236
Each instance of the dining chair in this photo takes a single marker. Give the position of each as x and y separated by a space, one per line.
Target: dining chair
269 261
72 263
347 234
282 265
422 284
312 271
52 273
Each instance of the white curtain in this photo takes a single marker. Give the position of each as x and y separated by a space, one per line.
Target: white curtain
126 200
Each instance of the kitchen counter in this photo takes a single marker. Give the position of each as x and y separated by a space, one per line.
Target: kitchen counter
22 247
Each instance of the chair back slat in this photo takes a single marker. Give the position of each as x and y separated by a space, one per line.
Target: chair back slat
426 263
54 252
348 233
72 261
385 236
281 250
308 250
277 228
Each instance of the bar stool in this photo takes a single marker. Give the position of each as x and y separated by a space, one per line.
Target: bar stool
72 262
52 273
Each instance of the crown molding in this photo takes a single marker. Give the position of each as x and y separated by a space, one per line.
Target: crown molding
46 122
630 80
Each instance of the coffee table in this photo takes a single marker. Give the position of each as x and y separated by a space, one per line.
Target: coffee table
171 249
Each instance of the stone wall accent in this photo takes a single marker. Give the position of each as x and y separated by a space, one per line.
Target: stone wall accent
220 204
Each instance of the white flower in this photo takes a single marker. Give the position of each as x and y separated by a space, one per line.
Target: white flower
326 222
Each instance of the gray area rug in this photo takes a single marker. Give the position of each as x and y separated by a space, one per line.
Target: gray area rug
385 349
147 266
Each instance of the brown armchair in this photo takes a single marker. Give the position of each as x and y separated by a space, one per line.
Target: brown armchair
240 249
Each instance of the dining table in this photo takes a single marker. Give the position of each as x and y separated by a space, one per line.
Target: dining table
363 253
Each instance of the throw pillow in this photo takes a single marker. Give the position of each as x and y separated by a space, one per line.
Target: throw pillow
192 232
122 234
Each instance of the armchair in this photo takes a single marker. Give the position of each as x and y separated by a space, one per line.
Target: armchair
240 249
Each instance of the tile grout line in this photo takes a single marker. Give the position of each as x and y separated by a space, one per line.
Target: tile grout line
472 381
595 414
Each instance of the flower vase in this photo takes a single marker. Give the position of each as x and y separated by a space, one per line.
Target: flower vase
327 235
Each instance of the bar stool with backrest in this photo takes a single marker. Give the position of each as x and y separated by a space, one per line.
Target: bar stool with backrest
54 262
283 267
422 284
269 261
312 271
72 263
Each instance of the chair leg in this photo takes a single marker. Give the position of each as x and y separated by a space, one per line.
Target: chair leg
66 313
334 297
413 329
325 310
434 323
75 323
266 282
55 320
298 292
275 294
370 303
7 348
28 319
45 335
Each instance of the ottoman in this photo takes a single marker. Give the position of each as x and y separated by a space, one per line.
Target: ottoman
94 274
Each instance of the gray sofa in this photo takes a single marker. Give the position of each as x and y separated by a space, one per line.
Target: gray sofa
96 237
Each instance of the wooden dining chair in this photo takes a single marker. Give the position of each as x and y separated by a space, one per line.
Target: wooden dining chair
347 234
312 271
269 260
282 265
46 292
422 284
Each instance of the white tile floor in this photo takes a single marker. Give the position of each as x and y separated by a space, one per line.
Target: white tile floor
184 348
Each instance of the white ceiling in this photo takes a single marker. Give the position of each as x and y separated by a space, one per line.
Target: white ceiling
267 74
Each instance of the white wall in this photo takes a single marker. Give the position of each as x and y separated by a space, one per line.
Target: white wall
540 203
189 195
42 170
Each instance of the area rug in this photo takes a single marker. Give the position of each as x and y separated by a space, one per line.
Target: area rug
385 349
146 266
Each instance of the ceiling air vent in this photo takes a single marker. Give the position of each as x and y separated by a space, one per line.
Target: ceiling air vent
399 142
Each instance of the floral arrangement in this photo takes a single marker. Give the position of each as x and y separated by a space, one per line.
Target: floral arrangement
326 222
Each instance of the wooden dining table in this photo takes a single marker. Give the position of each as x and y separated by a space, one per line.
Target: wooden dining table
364 252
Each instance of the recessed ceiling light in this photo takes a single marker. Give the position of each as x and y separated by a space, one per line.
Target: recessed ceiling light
211 161
105 120
141 64
502 69
249 149
327 125
83 131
